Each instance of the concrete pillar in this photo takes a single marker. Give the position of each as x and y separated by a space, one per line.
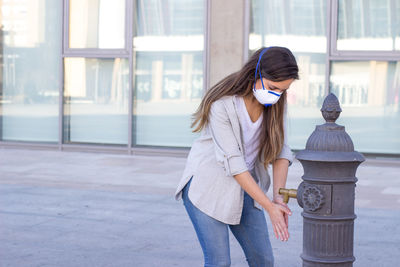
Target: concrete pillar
226 38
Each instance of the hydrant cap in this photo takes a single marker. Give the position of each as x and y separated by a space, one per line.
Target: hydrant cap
331 108
330 142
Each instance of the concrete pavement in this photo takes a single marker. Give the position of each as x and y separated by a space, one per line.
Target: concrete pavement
92 209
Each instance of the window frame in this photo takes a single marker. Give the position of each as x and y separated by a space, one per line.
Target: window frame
101 53
332 53
335 54
96 52
129 53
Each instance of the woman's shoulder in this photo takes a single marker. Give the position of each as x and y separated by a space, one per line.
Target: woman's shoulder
223 108
223 101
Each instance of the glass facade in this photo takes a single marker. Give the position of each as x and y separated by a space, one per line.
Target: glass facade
168 71
114 91
97 24
96 93
30 37
367 84
369 94
369 25
126 74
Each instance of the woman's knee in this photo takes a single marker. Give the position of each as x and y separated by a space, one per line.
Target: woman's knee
267 261
217 255
261 260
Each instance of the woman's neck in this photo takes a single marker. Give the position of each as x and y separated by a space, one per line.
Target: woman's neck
254 108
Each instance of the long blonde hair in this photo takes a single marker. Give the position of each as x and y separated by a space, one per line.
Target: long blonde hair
277 64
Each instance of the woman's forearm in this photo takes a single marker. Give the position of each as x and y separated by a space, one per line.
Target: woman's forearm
280 172
248 184
276 212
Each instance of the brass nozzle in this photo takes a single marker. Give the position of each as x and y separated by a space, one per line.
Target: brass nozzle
287 193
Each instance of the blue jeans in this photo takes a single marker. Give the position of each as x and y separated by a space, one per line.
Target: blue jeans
251 233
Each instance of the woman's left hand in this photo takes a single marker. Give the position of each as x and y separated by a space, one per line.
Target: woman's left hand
279 200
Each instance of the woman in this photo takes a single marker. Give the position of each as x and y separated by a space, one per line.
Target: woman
224 185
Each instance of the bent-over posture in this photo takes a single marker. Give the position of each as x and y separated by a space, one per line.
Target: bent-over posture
242 124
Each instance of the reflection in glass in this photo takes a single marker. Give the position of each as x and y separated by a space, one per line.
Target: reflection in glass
97 24
300 26
369 25
168 72
96 94
30 67
369 93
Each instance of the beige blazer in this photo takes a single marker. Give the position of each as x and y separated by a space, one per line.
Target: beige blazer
215 157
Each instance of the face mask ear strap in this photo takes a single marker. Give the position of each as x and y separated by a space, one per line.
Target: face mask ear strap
258 64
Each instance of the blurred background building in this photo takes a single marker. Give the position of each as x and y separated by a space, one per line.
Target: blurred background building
126 75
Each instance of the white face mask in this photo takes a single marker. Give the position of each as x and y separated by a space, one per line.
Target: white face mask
264 96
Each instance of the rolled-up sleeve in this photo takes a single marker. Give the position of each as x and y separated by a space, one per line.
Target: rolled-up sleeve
227 148
286 152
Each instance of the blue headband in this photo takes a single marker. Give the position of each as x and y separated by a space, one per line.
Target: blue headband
258 64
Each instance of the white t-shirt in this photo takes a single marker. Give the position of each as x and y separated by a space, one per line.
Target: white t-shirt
251 133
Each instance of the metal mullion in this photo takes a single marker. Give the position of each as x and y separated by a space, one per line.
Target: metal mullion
1 118
64 28
331 19
206 49
116 51
393 21
93 53
368 54
129 47
94 147
62 106
364 58
160 151
334 5
246 31
127 26
135 24
28 145
66 25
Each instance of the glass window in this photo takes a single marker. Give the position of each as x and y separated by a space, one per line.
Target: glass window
97 24
369 93
96 94
178 17
168 71
30 39
299 25
369 25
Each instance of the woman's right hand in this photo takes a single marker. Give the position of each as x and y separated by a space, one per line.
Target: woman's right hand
276 211
277 215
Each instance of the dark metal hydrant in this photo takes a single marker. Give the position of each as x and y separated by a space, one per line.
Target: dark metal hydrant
327 192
